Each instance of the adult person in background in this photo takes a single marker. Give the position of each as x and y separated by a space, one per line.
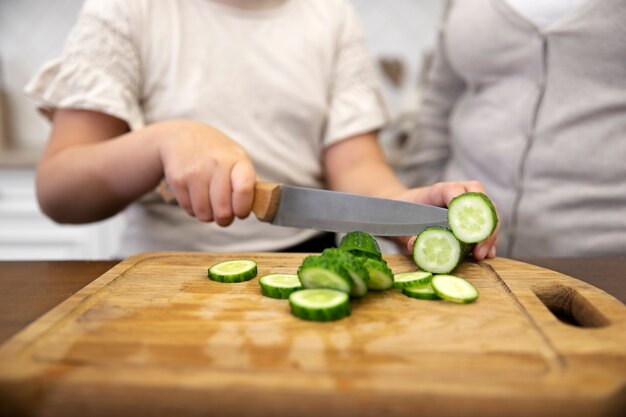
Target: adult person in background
529 97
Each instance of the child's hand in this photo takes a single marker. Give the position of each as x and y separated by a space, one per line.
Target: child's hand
211 176
441 194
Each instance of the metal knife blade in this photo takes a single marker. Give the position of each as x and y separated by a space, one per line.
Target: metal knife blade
342 212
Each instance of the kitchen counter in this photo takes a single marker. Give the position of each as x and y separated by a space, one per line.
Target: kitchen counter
31 288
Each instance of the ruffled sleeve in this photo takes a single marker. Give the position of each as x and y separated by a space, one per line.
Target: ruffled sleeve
99 70
356 102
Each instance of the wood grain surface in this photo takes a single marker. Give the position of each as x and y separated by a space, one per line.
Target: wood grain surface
153 336
31 288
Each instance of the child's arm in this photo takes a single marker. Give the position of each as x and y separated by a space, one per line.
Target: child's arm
93 167
358 165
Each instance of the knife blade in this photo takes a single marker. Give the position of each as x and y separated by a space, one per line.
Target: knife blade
285 205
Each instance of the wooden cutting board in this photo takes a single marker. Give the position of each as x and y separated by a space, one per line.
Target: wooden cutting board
155 337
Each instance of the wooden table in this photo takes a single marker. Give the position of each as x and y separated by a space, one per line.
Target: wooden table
31 288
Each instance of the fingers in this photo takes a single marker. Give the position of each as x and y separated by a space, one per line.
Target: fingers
444 192
243 178
227 193
487 248
211 176
181 193
474 187
453 190
199 195
480 251
220 193
441 194
403 241
410 243
490 243
448 191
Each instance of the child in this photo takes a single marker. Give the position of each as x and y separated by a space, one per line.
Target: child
211 95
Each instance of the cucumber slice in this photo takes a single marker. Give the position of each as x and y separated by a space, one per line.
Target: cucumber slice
361 244
437 250
239 270
455 289
381 277
320 272
353 266
472 217
320 304
424 292
279 285
412 279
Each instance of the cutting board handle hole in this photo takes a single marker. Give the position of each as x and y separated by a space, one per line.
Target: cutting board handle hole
570 307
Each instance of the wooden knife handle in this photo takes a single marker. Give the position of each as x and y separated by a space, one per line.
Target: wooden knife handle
266 200
265 205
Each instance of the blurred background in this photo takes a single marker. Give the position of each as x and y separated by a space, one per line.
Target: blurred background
400 33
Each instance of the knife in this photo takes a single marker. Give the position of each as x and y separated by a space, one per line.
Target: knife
310 208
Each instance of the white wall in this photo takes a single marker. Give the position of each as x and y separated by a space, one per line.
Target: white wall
31 32
405 29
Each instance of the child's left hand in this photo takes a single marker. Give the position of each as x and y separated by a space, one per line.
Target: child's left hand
440 195
358 165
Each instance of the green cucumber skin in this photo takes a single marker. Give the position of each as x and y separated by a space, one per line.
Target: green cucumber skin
321 315
362 254
465 249
361 244
233 279
331 265
492 209
353 266
374 268
423 281
420 296
276 292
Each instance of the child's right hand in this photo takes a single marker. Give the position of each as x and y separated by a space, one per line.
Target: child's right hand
211 176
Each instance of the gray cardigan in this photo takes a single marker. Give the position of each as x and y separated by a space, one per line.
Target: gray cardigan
539 116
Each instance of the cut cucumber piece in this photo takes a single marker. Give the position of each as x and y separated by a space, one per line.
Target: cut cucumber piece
320 272
320 304
437 250
424 292
239 270
361 244
411 279
455 289
279 285
353 266
381 277
472 217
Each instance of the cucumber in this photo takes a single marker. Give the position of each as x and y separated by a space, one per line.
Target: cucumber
361 244
424 292
239 270
321 272
472 217
381 277
455 289
279 285
437 250
353 266
412 279
320 304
